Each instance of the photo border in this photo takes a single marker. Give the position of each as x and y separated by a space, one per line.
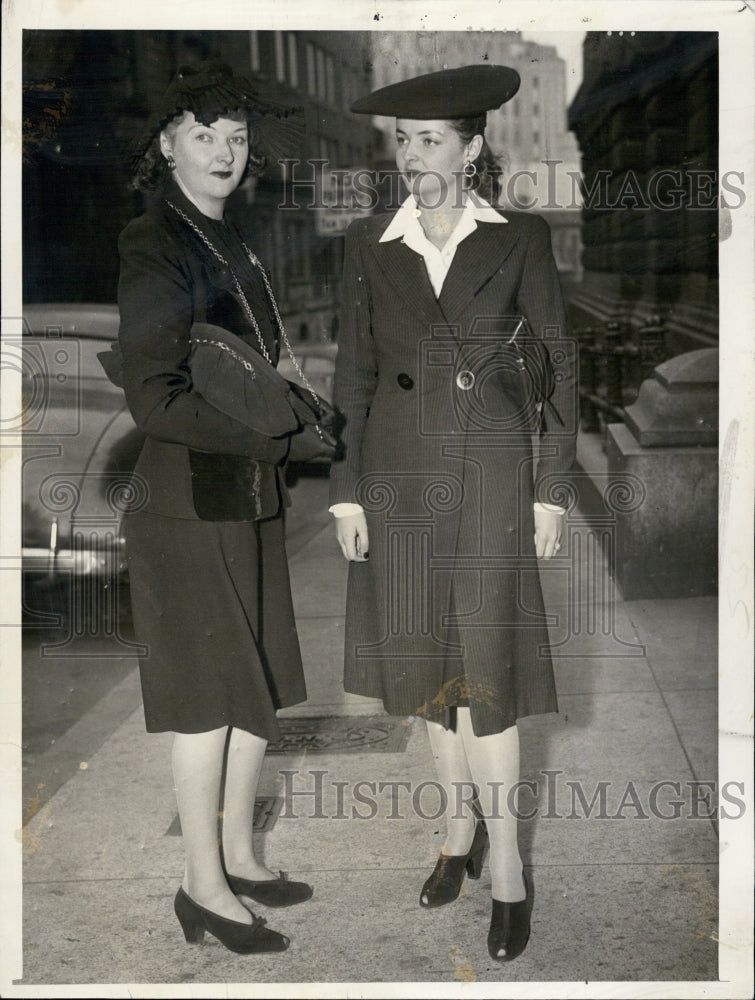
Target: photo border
734 21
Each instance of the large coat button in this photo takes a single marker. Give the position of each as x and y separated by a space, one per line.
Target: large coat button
405 381
465 379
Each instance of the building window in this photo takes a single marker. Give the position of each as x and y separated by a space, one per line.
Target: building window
254 50
515 107
535 110
345 87
311 72
320 73
280 58
535 82
296 260
293 60
329 150
330 80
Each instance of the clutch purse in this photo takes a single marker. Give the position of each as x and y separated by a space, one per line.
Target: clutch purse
236 380
533 359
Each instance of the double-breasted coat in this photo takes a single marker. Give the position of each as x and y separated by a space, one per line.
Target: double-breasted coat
209 576
438 449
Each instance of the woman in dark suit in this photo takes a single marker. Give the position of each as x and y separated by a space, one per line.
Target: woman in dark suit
438 504
207 562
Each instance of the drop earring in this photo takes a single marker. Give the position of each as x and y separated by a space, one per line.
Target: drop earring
171 163
470 170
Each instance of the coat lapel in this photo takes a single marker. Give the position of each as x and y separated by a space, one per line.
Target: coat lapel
477 259
406 271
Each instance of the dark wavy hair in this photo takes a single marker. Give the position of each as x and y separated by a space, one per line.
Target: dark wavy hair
151 172
487 180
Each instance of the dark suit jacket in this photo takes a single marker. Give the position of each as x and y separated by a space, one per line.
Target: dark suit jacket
196 462
389 309
446 474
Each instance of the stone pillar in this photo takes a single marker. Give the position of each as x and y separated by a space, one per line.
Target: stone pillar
668 545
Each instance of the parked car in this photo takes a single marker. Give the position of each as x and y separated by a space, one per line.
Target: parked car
317 362
80 442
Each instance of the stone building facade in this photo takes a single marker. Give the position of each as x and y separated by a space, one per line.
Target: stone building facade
646 315
646 118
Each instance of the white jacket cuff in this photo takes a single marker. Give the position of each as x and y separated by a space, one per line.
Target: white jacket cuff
548 508
345 509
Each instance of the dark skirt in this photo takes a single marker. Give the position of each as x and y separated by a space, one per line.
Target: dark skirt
211 600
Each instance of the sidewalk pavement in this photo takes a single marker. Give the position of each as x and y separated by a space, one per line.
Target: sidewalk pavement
621 893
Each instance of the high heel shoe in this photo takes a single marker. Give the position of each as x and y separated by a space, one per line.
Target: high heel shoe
509 930
244 939
444 884
271 892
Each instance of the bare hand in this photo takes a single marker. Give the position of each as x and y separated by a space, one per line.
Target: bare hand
351 532
548 527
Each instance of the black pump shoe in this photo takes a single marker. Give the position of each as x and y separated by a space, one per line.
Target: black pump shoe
271 892
509 930
444 884
244 939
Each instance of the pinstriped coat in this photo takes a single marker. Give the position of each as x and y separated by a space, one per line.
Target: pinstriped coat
437 441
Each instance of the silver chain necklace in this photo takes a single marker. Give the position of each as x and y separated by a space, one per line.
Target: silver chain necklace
255 262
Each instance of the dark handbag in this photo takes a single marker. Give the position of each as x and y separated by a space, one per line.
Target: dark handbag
239 382
234 378
532 358
314 441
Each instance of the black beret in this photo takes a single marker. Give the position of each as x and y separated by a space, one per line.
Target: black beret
449 93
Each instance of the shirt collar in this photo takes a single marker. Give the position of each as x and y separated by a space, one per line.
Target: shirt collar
406 219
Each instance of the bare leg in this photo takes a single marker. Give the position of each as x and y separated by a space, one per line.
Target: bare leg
455 776
494 764
197 771
244 765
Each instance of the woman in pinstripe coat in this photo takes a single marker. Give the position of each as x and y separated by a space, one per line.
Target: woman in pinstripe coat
439 504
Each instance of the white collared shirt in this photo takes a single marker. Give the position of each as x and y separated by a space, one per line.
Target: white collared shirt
405 225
